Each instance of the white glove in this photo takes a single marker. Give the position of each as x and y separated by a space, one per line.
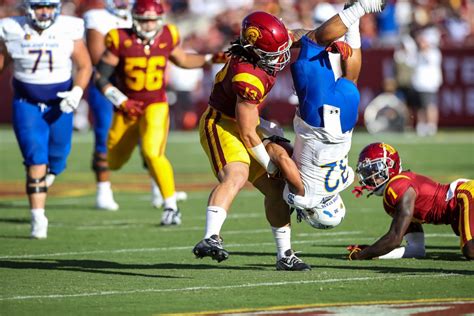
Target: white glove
70 99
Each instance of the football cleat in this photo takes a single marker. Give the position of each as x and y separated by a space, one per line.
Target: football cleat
105 201
291 262
211 247
170 217
39 227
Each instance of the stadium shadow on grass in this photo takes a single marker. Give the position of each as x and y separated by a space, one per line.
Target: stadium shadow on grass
96 266
89 266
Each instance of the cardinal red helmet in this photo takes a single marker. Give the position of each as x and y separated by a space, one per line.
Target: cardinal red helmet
378 162
144 13
266 36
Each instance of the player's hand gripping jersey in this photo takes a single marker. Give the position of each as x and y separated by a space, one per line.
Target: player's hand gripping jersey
140 73
242 79
43 65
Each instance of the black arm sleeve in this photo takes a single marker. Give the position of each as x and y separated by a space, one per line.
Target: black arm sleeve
105 71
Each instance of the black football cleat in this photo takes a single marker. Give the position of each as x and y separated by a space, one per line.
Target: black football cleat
291 263
211 247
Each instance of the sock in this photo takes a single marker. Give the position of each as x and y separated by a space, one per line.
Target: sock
353 35
352 14
103 186
171 202
282 236
37 212
215 218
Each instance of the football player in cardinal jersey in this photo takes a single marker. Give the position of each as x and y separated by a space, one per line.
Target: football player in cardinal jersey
325 117
138 57
411 200
42 46
98 22
229 135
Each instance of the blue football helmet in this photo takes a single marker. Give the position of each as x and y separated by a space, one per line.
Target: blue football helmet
120 8
44 20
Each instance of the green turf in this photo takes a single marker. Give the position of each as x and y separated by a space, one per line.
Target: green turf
125 263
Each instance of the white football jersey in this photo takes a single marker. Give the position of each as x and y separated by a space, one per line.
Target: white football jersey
103 21
321 156
41 58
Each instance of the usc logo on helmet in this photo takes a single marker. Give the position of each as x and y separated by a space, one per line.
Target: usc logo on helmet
388 148
252 34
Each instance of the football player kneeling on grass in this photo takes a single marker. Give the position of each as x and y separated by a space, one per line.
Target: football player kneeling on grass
411 199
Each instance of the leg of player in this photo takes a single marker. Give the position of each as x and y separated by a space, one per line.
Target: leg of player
102 111
157 199
278 215
154 127
36 190
465 198
232 179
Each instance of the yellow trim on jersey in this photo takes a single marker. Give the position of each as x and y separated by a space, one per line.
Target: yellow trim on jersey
250 79
114 36
174 33
399 176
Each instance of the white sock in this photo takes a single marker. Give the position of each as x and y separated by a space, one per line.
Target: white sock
282 236
353 35
103 186
215 218
37 212
171 202
352 14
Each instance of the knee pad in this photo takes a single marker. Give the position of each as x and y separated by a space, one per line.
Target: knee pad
99 163
33 185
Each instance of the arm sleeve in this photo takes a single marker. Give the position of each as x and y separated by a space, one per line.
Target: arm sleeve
248 87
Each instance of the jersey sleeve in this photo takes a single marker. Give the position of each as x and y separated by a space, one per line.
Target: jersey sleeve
248 87
395 189
174 33
76 28
112 41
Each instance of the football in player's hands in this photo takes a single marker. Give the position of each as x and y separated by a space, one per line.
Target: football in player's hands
132 108
340 47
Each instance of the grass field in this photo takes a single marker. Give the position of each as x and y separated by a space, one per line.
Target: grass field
124 263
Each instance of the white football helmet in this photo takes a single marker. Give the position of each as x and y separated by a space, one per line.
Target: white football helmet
44 20
120 8
328 214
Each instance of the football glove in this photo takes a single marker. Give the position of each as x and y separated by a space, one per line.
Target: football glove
340 47
131 108
353 249
70 99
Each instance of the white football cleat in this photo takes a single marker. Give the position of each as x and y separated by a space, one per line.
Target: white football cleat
105 201
39 227
171 217
372 6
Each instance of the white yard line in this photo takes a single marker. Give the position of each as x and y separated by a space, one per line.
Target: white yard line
226 287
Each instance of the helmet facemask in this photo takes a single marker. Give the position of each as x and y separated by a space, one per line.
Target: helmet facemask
119 8
43 20
373 174
144 31
273 61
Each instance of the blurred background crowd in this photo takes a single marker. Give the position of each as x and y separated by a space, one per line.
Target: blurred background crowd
209 25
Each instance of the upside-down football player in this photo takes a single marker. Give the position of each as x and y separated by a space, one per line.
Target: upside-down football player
230 135
327 113
138 57
411 200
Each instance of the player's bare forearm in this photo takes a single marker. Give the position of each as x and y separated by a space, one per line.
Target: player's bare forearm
351 67
95 45
187 60
382 246
83 64
287 167
329 31
247 121
297 35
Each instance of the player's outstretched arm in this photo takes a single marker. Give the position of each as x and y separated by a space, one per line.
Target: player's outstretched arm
182 59
393 238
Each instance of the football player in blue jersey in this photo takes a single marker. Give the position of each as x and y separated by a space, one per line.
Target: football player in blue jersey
42 46
98 22
325 117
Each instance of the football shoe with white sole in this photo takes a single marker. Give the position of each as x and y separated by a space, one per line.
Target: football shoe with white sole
211 247
291 262
39 227
170 217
